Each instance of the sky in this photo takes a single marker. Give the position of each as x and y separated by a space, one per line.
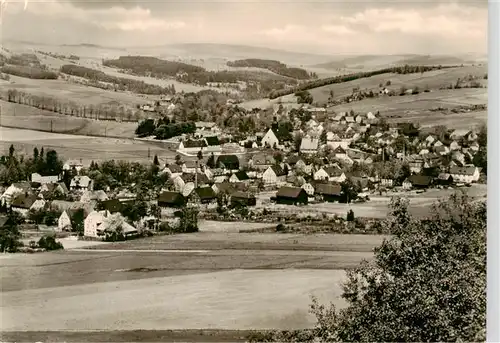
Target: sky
323 27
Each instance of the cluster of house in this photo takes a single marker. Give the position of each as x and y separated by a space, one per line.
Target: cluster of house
40 192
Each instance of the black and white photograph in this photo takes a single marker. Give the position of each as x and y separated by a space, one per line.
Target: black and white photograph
244 171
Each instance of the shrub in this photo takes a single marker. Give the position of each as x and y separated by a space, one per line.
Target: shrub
350 216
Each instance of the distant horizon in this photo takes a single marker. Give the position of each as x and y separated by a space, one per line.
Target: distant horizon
327 28
231 45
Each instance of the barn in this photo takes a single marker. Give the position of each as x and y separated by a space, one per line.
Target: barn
291 196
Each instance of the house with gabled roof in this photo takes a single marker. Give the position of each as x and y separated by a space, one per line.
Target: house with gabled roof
191 166
239 176
191 146
330 173
274 175
204 195
420 181
81 183
467 174
172 170
228 162
35 177
64 222
21 203
182 180
213 144
262 161
291 196
309 145
329 192
171 199
270 139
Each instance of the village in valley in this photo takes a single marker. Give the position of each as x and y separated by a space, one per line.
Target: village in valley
308 158
168 175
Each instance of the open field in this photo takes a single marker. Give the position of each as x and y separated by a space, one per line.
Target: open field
216 226
83 147
417 108
377 207
27 117
67 91
433 79
243 299
242 281
252 241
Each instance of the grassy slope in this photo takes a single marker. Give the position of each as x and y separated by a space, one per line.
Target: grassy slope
434 79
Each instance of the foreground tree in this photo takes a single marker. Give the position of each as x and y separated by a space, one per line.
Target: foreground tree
426 284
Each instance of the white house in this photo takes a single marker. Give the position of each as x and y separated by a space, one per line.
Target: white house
454 146
94 223
64 222
309 145
13 190
35 177
274 175
191 146
69 165
331 173
308 188
89 196
38 205
270 139
465 174
22 203
83 183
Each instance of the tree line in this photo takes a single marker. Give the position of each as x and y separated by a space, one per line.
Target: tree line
274 66
182 72
118 83
16 168
101 112
407 69
29 72
164 128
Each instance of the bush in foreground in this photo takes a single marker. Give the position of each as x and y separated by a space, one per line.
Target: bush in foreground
427 283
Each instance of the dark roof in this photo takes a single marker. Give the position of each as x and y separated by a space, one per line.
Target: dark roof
112 205
211 141
243 195
292 160
170 197
263 159
242 175
229 161
174 168
190 177
231 187
420 180
194 144
289 192
339 150
278 170
328 189
205 193
462 170
444 176
24 200
333 171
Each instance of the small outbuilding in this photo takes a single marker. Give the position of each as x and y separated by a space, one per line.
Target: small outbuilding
291 196
171 199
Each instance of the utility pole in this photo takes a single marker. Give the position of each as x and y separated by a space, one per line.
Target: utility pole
149 153
196 176
51 125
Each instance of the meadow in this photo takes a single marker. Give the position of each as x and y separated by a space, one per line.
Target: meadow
31 118
84 148
64 91
242 281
